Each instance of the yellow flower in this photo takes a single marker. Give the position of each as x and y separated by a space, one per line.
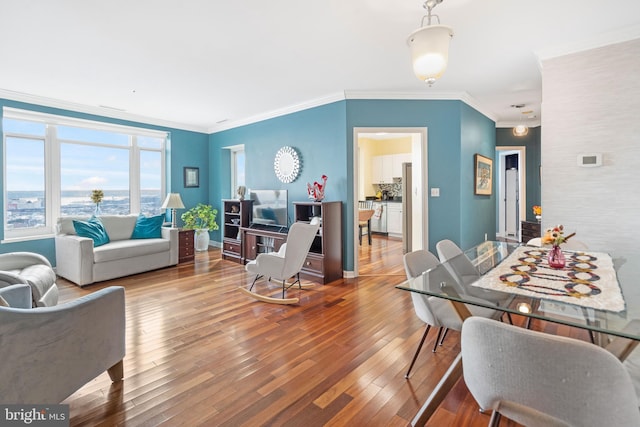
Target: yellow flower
537 210
97 196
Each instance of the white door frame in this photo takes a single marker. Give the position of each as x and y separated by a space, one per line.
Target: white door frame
420 214
502 152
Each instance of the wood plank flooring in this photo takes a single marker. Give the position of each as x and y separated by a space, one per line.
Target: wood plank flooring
200 353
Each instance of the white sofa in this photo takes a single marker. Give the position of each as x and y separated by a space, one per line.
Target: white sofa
78 261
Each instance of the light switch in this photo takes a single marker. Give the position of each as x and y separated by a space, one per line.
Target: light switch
435 192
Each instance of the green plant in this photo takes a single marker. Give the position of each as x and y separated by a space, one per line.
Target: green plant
200 217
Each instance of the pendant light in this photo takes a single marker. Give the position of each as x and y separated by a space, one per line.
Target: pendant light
521 129
429 46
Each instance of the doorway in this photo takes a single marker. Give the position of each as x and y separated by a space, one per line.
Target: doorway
512 191
418 213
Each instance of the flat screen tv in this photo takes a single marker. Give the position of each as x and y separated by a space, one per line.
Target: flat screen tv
270 207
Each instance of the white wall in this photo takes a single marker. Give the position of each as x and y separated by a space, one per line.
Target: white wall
591 103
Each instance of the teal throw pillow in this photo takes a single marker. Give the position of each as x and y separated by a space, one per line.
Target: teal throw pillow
148 227
92 229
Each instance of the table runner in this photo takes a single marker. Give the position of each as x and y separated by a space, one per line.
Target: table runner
588 279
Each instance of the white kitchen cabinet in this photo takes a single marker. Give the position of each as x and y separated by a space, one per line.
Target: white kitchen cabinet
394 219
382 169
396 164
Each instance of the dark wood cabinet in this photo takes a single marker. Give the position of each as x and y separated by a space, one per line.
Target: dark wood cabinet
236 214
530 230
324 261
260 240
186 248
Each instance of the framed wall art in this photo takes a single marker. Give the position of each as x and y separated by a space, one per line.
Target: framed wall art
483 175
191 177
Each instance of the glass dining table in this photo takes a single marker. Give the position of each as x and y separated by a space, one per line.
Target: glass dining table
585 294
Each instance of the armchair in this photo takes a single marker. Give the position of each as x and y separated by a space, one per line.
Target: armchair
31 269
285 263
48 353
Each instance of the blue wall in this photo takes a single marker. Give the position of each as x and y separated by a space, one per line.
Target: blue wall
318 134
477 213
185 149
323 137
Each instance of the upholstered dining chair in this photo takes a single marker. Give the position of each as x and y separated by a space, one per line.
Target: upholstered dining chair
433 311
463 269
288 261
48 353
537 379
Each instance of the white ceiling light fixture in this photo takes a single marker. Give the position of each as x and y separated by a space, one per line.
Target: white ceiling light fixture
429 46
521 129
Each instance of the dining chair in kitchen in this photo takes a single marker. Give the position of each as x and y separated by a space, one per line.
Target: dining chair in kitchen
538 379
364 221
365 204
433 311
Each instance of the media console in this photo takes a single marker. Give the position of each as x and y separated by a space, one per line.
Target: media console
324 260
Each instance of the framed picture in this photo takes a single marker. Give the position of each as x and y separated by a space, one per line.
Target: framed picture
191 177
483 175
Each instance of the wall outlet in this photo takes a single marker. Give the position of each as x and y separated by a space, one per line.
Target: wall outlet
435 192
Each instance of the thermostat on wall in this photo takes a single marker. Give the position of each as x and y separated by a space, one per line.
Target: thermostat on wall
590 160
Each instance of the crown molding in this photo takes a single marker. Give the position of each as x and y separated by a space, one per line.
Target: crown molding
102 111
613 37
512 124
317 102
351 94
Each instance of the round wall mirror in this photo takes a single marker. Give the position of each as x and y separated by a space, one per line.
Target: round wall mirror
287 164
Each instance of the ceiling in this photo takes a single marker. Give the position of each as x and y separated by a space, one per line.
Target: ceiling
207 65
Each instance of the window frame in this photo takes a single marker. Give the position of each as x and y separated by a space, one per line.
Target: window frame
53 159
233 154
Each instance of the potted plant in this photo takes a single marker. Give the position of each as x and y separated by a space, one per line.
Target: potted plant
202 219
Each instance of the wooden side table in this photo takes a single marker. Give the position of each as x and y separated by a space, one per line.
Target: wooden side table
186 249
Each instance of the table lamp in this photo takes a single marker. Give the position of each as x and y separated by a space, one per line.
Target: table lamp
173 202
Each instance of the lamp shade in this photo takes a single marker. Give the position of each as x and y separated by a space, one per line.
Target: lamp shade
173 201
430 51
520 130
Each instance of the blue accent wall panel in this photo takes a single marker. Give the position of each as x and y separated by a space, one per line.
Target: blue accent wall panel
442 120
185 148
477 213
318 134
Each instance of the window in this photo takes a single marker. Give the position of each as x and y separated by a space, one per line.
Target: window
237 168
53 163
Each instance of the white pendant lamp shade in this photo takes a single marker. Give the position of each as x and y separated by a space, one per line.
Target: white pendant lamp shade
430 51
520 130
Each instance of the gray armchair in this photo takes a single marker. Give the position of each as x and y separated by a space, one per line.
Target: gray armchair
31 269
48 353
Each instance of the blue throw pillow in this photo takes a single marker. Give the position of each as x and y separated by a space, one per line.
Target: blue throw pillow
148 227
92 229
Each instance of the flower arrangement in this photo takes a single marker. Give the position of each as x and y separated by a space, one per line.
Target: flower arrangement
555 236
537 210
97 196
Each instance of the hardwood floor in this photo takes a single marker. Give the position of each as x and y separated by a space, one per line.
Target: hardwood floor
200 353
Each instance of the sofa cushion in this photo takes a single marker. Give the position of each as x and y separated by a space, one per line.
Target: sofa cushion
92 229
148 227
120 249
119 227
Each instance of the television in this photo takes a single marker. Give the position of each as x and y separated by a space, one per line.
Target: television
270 207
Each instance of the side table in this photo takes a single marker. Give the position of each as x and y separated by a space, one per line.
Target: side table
186 249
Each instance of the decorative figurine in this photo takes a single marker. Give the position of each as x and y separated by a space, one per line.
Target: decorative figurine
316 191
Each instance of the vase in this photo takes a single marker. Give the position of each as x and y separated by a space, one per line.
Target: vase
556 257
201 239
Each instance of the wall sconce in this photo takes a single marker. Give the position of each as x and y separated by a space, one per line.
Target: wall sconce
429 46
173 202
